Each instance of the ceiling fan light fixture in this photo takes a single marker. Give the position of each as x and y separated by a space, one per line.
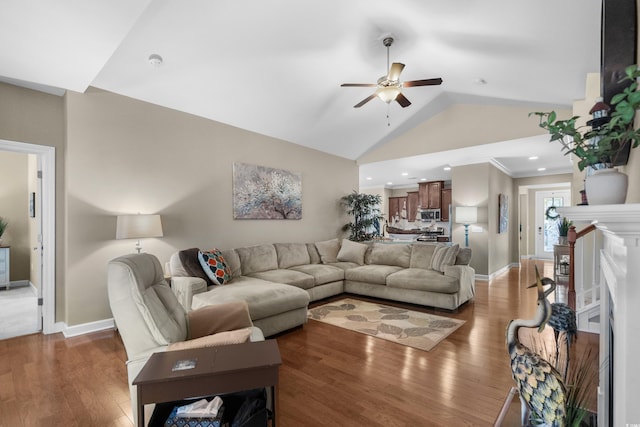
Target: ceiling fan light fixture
388 93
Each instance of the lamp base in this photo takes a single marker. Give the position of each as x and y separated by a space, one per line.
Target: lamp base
466 235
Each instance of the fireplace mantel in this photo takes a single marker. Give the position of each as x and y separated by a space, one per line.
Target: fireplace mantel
619 310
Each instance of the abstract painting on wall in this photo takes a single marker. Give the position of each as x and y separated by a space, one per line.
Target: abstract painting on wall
260 192
503 215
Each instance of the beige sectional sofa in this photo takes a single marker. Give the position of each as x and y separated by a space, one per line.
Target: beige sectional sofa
279 280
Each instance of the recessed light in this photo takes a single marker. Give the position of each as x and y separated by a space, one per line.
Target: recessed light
155 60
480 81
368 178
533 158
542 169
447 168
423 179
405 173
389 183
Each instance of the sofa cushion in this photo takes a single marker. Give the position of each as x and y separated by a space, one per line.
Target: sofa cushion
265 299
328 250
254 259
190 262
214 266
444 256
321 273
463 257
175 266
314 256
420 279
233 261
292 254
421 254
398 254
352 252
286 276
373 274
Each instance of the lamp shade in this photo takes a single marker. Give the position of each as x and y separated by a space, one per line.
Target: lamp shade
466 214
138 226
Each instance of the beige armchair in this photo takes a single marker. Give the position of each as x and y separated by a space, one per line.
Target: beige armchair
150 318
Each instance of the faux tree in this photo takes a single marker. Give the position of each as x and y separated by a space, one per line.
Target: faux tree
365 210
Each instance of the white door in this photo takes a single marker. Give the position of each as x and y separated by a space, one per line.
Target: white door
546 228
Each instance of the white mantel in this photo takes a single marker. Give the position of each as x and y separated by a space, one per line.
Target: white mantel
620 271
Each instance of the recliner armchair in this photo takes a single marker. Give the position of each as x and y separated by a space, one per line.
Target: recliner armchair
150 318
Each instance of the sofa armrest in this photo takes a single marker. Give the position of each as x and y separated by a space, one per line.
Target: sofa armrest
216 318
467 277
186 287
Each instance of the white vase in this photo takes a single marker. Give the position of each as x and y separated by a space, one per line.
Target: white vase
606 187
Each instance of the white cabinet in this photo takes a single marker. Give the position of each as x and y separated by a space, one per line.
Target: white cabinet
4 266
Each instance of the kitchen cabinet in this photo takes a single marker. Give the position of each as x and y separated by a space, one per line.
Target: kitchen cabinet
446 201
395 207
413 201
431 194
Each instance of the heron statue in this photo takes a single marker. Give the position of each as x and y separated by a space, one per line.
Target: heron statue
563 319
540 385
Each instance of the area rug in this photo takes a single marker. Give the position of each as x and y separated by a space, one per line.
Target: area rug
411 328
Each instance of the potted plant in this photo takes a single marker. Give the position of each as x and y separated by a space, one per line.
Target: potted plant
365 209
3 227
563 230
599 146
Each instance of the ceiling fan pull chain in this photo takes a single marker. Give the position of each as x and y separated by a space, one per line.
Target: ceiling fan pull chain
388 120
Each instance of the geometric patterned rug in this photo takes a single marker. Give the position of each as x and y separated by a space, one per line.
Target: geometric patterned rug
411 328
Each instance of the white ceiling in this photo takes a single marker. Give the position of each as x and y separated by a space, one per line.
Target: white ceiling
275 67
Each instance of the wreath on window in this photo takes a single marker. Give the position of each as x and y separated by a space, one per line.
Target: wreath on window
551 213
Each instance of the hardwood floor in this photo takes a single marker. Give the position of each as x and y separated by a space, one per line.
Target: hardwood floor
329 376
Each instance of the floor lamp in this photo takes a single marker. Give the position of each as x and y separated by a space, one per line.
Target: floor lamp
137 227
466 215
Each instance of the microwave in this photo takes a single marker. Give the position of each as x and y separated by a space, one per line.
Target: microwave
430 214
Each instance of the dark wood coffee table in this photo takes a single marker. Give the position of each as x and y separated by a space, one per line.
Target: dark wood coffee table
223 369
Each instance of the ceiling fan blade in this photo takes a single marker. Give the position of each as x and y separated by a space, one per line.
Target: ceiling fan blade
358 85
425 82
364 101
395 70
402 100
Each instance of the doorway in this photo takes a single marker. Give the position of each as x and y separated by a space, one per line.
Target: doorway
45 249
547 219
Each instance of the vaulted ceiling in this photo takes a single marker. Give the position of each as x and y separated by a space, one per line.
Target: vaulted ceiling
275 67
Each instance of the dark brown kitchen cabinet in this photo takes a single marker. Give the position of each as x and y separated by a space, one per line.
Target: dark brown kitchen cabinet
446 201
431 194
396 204
413 201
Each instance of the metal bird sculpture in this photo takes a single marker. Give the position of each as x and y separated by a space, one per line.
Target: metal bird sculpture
563 319
540 385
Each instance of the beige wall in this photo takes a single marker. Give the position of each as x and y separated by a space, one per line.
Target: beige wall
461 126
38 118
14 209
470 187
501 245
125 156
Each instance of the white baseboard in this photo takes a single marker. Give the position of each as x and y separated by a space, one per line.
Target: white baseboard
85 328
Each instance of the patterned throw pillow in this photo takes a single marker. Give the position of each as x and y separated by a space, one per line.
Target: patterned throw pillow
444 256
214 266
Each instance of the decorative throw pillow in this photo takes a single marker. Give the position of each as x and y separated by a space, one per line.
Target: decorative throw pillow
213 264
352 252
328 250
237 336
191 263
444 256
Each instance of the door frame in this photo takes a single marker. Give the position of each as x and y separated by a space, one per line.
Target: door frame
47 160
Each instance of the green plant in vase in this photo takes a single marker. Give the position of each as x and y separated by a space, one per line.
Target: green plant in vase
610 137
3 226
599 146
563 227
365 209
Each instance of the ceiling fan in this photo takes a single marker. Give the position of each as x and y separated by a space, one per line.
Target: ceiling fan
389 87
